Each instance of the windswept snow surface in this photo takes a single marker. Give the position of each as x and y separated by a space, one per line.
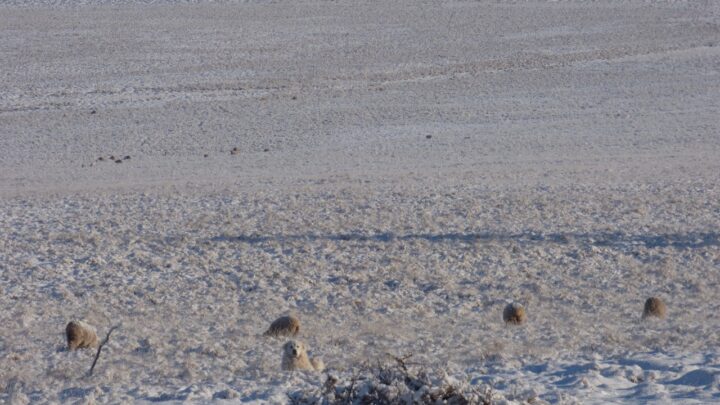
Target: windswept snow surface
403 171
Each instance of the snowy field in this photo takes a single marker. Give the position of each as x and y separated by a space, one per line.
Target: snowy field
402 171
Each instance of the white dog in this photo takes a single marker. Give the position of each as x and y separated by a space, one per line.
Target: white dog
295 358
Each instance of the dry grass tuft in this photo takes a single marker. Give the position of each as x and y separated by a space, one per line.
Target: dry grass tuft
80 335
284 326
654 307
514 314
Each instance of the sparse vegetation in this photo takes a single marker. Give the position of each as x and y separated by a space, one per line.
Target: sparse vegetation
284 326
80 335
654 307
395 381
514 314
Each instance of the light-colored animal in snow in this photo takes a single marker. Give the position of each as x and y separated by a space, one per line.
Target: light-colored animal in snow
295 358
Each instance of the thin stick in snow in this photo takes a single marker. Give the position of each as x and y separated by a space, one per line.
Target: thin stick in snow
97 355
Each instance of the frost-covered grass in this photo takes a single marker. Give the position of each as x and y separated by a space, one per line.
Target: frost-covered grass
194 279
401 170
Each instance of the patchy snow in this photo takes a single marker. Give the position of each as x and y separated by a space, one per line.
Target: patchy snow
404 170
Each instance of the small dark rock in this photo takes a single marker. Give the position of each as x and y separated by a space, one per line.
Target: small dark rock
428 136
206 155
293 98
266 150
93 112
112 157
118 161
126 157
101 158
234 151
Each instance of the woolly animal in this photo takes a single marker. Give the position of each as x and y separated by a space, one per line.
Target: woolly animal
80 335
284 326
295 358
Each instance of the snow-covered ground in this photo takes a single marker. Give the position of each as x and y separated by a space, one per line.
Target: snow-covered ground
403 171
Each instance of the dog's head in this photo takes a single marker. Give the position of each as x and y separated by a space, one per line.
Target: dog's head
294 349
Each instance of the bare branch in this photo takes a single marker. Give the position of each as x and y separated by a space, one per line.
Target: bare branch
401 361
97 355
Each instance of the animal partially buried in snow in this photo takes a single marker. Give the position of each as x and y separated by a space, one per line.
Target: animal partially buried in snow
284 326
80 335
514 314
295 358
654 307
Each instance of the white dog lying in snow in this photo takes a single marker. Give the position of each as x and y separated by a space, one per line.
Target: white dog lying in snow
295 358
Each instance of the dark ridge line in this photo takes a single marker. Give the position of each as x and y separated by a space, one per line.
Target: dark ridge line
692 240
